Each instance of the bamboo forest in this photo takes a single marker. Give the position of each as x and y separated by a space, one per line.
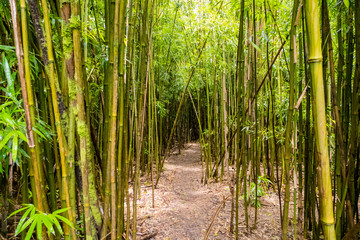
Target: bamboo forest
179 119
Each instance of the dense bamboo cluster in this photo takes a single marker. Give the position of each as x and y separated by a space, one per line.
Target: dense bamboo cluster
94 90
270 90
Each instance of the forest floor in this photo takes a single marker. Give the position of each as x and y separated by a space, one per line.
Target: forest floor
185 207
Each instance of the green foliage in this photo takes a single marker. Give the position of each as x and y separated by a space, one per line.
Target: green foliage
161 109
12 121
261 190
33 218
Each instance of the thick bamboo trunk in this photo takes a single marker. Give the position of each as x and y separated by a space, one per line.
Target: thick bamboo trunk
315 62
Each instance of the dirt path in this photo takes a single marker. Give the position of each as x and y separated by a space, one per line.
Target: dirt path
184 207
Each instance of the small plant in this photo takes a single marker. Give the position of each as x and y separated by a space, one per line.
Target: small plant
37 219
262 188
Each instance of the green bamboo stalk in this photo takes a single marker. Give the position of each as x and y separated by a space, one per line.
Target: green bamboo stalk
37 166
208 148
289 129
315 62
112 125
24 68
127 123
121 157
82 128
241 104
143 76
301 132
108 78
108 72
255 152
224 118
49 158
54 86
68 75
354 138
338 168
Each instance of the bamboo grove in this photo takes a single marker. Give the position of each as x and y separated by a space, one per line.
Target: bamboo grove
95 95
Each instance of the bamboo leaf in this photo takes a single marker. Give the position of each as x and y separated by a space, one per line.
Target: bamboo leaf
60 211
6 139
17 211
57 224
48 223
21 222
39 133
31 230
7 118
5 105
65 220
23 153
10 81
254 45
347 3
44 128
7 48
26 224
22 136
15 147
33 211
39 226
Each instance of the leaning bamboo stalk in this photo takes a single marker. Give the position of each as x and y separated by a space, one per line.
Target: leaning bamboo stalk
315 62
38 168
24 73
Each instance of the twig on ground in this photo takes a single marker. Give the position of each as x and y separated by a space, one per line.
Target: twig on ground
214 217
150 235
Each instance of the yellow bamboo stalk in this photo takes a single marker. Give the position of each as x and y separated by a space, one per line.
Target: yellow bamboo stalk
25 82
318 105
54 96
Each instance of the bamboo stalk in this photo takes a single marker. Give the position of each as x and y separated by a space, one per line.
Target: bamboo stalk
315 62
82 128
54 86
25 83
289 121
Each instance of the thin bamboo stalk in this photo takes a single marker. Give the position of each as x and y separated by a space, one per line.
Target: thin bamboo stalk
24 73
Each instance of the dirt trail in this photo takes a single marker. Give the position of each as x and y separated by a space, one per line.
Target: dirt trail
184 207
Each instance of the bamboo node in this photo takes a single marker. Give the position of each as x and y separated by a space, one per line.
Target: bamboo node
315 60
327 223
